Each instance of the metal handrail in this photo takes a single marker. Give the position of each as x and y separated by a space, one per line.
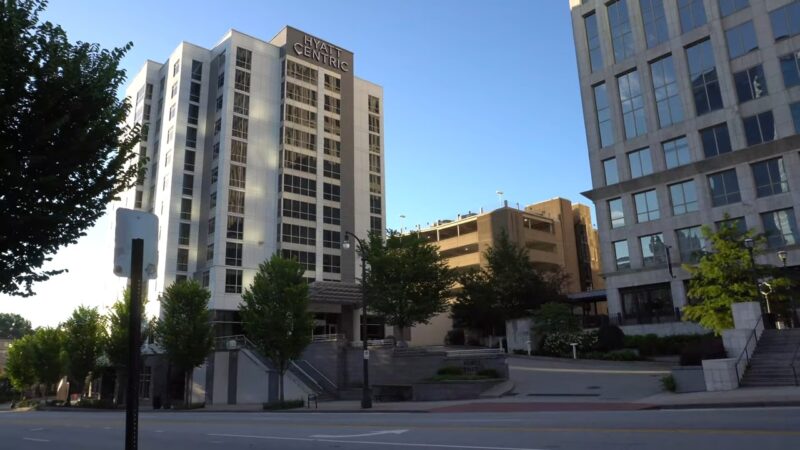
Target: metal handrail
745 353
794 362
475 352
311 366
327 337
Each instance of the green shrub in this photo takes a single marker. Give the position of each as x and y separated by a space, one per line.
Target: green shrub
488 373
450 370
623 355
519 351
610 337
668 383
555 318
288 404
693 355
652 345
454 337
559 344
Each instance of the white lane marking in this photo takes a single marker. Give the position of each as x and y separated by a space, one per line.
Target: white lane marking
35 440
394 444
374 433
37 429
607 371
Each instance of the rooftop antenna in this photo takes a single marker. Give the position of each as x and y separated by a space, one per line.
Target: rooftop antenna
402 221
500 196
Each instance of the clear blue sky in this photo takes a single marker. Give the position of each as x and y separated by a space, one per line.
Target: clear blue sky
479 96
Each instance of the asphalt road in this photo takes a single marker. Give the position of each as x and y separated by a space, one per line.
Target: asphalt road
729 429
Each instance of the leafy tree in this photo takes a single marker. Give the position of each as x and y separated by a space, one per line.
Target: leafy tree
406 281
20 363
275 312
725 276
555 318
14 326
84 336
48 355
116 345
184 329
64 146
475 305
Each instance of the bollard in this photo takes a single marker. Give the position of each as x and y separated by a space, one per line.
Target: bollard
574 350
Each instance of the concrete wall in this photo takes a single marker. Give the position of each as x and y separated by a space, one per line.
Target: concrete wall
220 382
432 333
456 390
664 329
252 379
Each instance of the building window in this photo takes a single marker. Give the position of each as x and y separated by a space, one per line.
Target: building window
188 161
299 185
655 22
676 152
299 210
374 123
603 111
182 263
593 42
214 174
299 161
170 134
331 169
184 230
375 204
307 260
212 224
233 281
331 192
759 128
197 70
233 254
301 94
641 163
331 215
194 92
186 209
210 252
212 199
737 223
331 239
610 171
235 201
375 183
692 14
690 244
333 126
173 90
301 72
785 21
621 255
647 304
235 228
703 76
176 67
630 97
188 184
238 176
194 114
217 126
301 116
375 163
300 139
374 143
750 84
780 227
137 202
241 81
684 197
665 88
331 263
240 127
621 33
741 39
653 251
298 234
770 177
724 187
790 67
244 58
241 103
333 147
238 151
795 109
376 225
373 104
191 137
616 213
716 140
333 104
646 206
333 83
220 79
728 7
206 279
219 103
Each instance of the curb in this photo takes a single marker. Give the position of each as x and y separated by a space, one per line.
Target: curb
763 404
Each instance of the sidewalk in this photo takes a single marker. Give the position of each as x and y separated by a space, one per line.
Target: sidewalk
742 397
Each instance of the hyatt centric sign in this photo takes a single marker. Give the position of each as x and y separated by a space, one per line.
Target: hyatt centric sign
321 52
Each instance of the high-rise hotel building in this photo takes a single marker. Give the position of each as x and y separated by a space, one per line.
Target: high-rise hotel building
692 114
255 147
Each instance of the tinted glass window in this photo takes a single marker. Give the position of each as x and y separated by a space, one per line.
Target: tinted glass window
630 98
621 255
790 69
770 177
640 162
715 140
759 128
724 188
728 7
684 197
615 213
676 152
741 39
610 171
621 34
692 14
780 227
603 111
703 75
655 22
593 42
750 84
665 87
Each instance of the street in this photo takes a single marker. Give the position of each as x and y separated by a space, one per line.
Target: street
730 429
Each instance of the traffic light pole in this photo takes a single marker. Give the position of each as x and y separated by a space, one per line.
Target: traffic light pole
134 343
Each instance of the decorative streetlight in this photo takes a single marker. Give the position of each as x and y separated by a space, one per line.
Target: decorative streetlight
783 256
366 395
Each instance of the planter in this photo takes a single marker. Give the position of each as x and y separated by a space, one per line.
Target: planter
689 379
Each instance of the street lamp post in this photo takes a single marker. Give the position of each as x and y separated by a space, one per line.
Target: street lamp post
783 255
366 395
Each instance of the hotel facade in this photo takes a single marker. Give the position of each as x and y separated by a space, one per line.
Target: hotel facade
692 114
254 148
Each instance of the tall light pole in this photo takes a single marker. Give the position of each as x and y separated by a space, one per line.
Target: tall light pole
783 256
366 395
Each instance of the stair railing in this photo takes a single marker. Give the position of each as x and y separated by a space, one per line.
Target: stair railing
745 353
794 364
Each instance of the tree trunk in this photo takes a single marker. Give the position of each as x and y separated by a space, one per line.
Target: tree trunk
187 388
280 392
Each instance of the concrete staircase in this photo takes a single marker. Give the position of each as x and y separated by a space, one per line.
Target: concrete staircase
771 362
